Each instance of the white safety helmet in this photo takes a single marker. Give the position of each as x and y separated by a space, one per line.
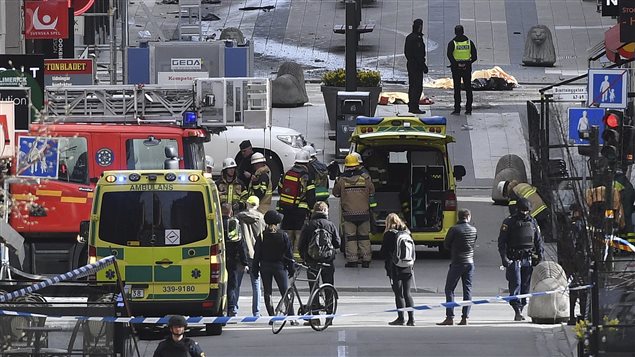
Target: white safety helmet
358 156
502 185
302 157
209 161
257 157
229 163
310 149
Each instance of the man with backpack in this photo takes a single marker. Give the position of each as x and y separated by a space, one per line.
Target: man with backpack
460 242
297 195
318 243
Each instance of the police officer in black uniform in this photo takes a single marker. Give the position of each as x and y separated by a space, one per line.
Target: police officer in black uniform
521 248
415 52
177 345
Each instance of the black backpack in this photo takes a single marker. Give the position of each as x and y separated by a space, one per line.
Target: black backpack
321 245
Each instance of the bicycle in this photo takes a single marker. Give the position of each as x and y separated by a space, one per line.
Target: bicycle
322 300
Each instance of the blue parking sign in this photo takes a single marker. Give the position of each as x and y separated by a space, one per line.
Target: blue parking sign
38 157
580 122
607 88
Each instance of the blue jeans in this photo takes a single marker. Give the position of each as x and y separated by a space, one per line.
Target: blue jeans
465 272
518 275
255 290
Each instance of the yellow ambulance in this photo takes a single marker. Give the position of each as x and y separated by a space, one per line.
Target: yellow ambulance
407 159
164 228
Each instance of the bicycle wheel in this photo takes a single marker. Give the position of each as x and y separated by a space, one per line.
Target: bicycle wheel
282 309
323 302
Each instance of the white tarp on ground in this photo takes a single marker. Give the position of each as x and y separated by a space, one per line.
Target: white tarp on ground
496 72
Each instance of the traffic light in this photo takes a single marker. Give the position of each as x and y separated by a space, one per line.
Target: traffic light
628 145
612 126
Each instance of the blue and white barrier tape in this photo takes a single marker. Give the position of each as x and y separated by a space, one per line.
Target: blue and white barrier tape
77 273
267 319
495 299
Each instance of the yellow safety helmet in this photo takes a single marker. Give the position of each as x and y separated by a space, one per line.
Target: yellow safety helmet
351 161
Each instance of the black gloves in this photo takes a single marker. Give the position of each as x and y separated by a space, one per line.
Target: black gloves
425 68
291 273
535 259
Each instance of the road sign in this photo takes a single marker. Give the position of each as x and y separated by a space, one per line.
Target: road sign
570 94
38 157
580 122
607 88
610 7
627 21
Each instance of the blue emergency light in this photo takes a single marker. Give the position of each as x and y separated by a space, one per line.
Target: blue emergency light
436 120
362 120
190 119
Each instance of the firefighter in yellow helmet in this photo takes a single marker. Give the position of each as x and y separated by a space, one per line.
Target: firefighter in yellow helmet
297 196
230 188
260 182
356 192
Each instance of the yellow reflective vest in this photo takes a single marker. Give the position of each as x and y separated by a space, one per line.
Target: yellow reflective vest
462 51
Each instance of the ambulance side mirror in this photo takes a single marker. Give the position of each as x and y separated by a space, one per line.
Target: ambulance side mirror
459 172
84 227
172 161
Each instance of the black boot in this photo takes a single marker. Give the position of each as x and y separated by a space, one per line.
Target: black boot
399 321
411 318
518 316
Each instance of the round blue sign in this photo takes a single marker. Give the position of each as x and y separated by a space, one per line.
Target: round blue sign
104 157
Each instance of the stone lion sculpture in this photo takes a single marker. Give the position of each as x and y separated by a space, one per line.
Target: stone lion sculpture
233 33
288 89
539 49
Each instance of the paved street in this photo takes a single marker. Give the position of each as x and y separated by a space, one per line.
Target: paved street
490 334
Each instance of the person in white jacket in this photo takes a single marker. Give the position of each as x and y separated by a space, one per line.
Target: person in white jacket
252 224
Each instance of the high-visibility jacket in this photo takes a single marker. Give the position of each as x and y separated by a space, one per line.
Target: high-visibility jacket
357 194
297 188
320 173
525 190
230 191
260 186
462 51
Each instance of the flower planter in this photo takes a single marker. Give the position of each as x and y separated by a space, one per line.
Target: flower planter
330 100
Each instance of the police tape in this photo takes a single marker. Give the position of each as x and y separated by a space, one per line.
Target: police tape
271 319
76 273
621 244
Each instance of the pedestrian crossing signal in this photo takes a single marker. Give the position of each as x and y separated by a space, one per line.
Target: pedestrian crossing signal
613 123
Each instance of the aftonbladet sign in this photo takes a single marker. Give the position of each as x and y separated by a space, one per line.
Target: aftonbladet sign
46 19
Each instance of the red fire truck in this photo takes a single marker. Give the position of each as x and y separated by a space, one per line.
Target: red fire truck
99 128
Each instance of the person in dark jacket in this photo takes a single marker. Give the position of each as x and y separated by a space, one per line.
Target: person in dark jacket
319 219
460 241
177 345
235 256
245 168
272 257
461 53
415 51
400 278
520 246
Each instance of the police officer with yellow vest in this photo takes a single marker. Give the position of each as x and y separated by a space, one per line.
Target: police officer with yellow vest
357 198
461 53
260 182
297 196
230 188
521 248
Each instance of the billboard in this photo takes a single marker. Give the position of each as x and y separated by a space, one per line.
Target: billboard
46 19
181 62
7 120
19 96
66 72
23 71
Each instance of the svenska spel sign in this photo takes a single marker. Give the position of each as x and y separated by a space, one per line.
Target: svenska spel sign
46 19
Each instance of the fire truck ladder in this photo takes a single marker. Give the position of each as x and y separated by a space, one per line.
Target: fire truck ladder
218 102
136 104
